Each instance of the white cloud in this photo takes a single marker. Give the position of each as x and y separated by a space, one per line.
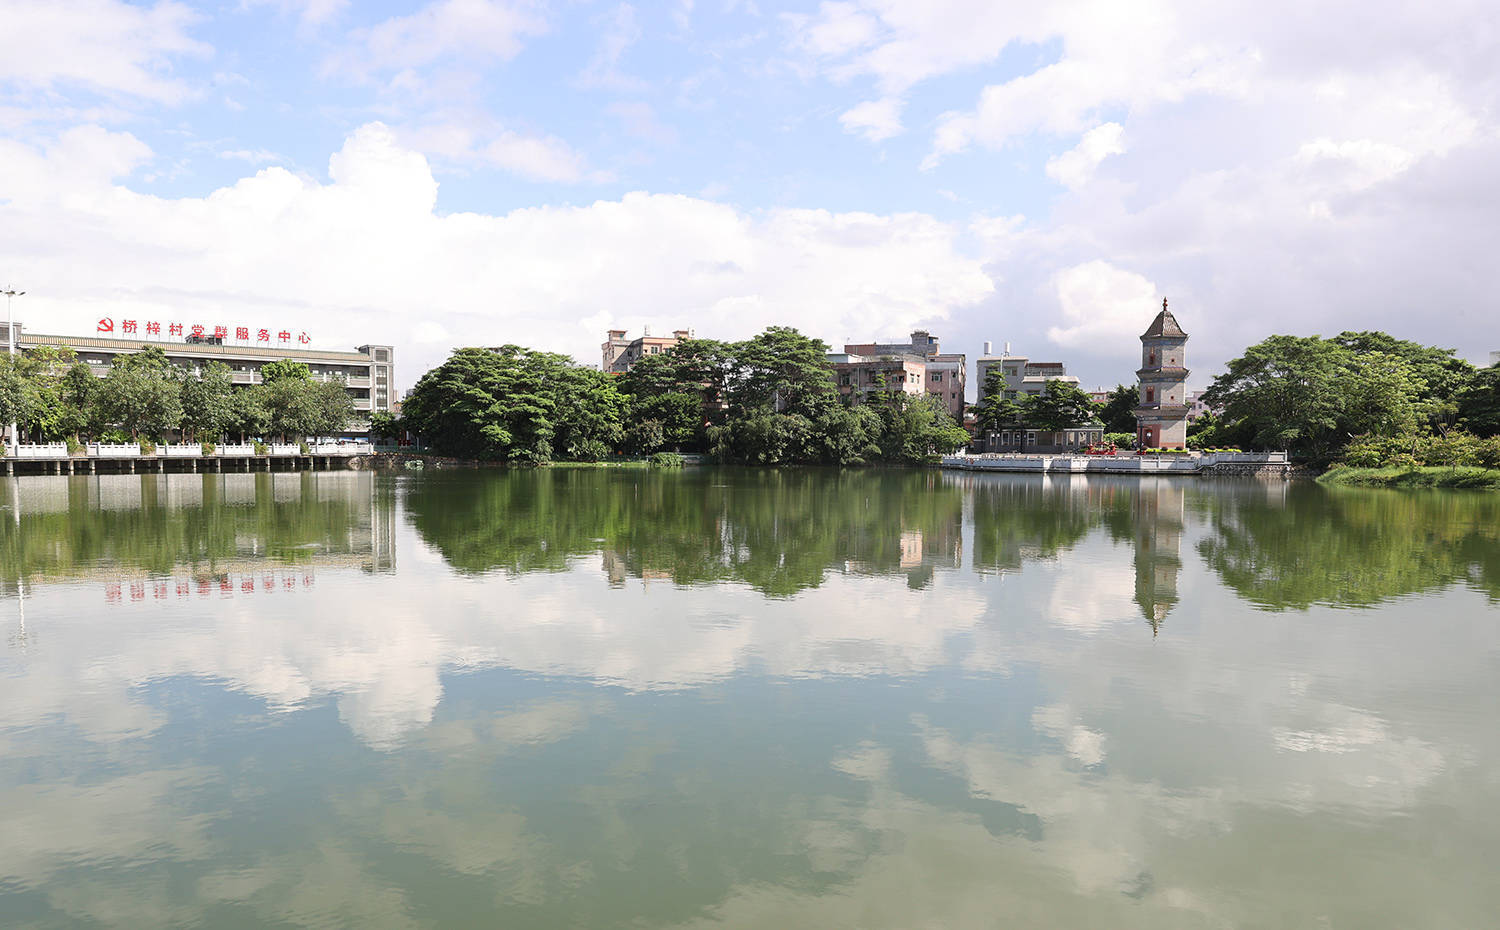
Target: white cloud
366 257
540 158
603 70
1102 306
105 46
1075 168
479 31
875 119
309 13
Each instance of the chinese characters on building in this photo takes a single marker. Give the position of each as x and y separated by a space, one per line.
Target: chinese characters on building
224 585
262 335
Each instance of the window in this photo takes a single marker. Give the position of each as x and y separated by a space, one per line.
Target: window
1150 395
936 376
1152 358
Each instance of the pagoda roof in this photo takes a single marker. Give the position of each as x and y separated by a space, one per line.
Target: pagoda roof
1165 324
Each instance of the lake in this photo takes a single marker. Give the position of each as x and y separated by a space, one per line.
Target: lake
746 698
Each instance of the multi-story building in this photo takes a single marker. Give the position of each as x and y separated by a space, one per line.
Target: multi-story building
1161 419
368 372
1021 374
1494 359
620 353
945 373
856 377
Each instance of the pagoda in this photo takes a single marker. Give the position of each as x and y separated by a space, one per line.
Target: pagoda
1161 415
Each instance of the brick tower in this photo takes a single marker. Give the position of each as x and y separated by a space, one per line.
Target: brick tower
1161 417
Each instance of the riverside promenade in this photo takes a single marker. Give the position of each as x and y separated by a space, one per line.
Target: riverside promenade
1257 464
128 458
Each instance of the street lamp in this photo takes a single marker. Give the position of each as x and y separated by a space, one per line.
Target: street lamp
10 336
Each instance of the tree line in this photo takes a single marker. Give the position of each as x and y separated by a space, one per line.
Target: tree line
52 396
1363 394
767 400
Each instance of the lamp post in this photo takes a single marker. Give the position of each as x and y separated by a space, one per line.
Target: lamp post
10 337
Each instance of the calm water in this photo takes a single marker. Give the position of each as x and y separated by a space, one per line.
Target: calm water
746 699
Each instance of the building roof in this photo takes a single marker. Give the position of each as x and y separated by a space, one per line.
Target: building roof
1165 324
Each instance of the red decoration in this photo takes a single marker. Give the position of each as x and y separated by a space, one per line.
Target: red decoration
262 335
153 329
304 338
284 336
197 330
221 332
174 330
127 326
106 325
242 333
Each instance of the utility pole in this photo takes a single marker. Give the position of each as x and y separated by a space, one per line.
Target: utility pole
10 336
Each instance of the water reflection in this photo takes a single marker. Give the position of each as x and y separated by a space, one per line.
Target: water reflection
806 698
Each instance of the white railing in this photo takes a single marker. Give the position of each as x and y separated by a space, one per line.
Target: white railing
342 448
115 450
183 451
286 448
246 448
42 450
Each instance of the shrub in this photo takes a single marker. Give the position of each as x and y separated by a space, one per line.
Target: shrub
1121 440
304 448
74 446
148 446
261 448
114 436
666 460
207 448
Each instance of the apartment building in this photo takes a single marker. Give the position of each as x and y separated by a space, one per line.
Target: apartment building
945 374
857 377
1021 374
620 352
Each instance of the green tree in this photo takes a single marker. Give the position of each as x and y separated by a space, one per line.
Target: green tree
284 369
385 425
1060 406
1118 411
995 410
914 427
783 371
250 416
516 404
1284 391
15 393
208 402
332 407
142 393
1312 396
1479 402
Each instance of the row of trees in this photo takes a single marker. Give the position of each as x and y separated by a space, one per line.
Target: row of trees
767 400
1317 397
1060 406
52 396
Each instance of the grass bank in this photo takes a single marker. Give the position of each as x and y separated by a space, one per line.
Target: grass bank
1424 476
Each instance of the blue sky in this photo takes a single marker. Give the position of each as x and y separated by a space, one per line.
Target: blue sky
432 174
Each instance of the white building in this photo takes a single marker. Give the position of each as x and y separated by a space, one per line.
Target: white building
1022 376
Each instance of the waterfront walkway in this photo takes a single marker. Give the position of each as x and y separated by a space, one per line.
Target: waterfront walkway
1270 464
127 458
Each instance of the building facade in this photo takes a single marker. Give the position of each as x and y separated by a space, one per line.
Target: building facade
620 352
945 374
1021 374
857 377
369 372
1162 417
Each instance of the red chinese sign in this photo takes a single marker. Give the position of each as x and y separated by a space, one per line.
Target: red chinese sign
263 335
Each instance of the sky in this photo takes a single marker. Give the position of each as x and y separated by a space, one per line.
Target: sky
477 172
